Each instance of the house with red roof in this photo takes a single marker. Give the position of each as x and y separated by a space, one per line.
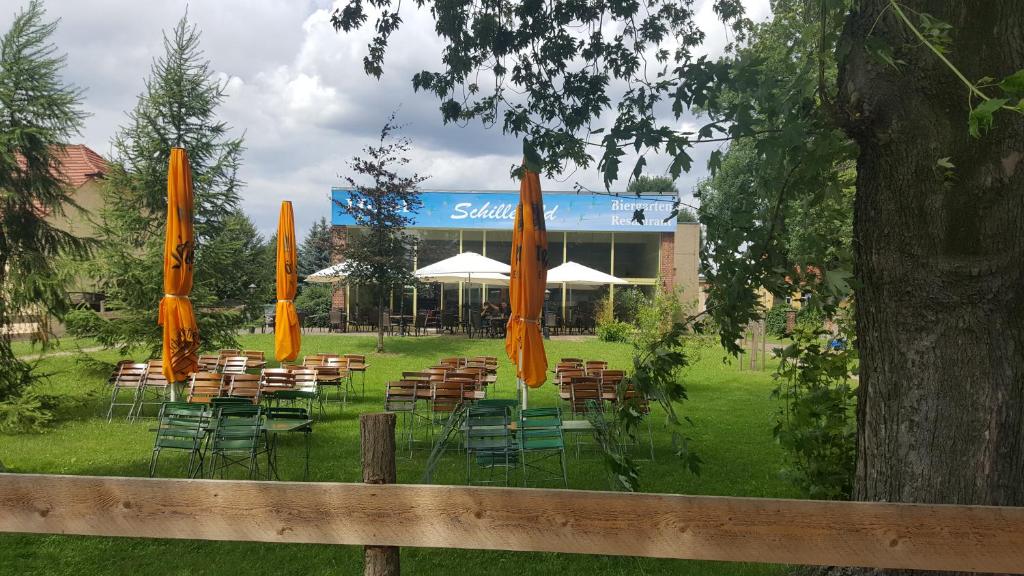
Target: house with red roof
83 170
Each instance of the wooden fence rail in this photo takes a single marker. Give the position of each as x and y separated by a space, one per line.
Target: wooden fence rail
931 537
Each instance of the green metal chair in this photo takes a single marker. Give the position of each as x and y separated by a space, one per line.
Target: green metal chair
540 434
400 399
237 439
181 426
489 441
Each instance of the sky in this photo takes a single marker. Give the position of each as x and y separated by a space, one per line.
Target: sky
297 93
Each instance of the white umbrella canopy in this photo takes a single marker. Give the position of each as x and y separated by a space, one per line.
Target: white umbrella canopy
328 275
580 275
466 267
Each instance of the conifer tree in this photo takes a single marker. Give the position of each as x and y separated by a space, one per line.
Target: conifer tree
39 114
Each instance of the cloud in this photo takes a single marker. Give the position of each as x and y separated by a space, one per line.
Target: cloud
296 89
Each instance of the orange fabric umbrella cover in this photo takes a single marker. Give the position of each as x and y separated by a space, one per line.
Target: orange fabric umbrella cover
180 333
523 341
286 321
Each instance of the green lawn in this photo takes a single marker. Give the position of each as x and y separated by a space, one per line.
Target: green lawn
730 410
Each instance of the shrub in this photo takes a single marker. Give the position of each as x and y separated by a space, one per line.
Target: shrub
810 317
775 320
315 303
628 302
816 425
615 331
26 412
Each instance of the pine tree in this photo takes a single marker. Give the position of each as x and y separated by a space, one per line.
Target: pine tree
39 114
177 108
315 250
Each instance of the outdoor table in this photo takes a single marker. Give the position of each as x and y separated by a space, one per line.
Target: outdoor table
274 426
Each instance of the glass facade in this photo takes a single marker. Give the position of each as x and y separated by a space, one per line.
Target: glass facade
634 256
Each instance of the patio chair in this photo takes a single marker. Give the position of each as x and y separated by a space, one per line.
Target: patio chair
245 386
237 439
237 364
225 352
274 380
155 388
539 434
357 363
594 365
400 399
304 390
129 378
255 359
445 397
209 362
453 362
288 413
583 389
573 360
489 442
204 387
610 380
181 427
562 380
332 373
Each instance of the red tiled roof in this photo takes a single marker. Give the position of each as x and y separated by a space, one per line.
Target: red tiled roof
79 164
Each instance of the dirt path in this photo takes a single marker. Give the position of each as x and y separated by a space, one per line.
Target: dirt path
37 356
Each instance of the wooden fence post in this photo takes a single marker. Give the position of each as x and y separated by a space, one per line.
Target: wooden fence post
377 444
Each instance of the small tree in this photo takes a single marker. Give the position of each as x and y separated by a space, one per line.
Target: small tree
38 115
380 254
315 250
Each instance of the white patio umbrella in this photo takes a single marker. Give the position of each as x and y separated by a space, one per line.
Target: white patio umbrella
466 267
580 275
328 275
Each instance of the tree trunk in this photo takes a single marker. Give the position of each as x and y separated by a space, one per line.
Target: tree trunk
377 447
380 320
939 257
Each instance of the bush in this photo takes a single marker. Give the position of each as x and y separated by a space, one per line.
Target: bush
810 317
628 303
615 331
26 412
775 320
315 303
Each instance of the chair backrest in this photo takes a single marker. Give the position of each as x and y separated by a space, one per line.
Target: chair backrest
245 386
256 355
400 395
563 366
562 378
234 364
277 379
540 428
305 379
229 352
583 389
130 375
594 365
155 374
446 395
471 375
355 358
205 386
575 360
454 362
238 428
209 362
610 379
327 356
313 360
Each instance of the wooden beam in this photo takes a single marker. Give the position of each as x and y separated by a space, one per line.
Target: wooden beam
928 537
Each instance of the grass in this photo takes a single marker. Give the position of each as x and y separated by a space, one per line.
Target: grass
731 430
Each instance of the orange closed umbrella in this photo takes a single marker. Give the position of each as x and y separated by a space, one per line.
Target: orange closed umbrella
286 321
523 342
181 335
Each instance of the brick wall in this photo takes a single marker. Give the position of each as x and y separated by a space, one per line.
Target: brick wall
339 234
667 266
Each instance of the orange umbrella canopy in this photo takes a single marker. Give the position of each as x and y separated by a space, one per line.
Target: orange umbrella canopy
523 342
181 335
286 321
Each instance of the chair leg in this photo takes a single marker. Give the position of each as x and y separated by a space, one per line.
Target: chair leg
152 462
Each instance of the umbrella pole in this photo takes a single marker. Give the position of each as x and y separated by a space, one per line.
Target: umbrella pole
519 379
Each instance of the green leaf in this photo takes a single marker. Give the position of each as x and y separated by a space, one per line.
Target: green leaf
945 163
1013 85
980 120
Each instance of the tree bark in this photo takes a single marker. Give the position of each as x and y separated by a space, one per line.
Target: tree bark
380 320
939 258
377 445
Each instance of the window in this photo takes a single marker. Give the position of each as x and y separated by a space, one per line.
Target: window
590 249
436 245
499 245
473 241
637 255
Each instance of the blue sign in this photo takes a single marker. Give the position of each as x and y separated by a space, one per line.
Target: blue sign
562 211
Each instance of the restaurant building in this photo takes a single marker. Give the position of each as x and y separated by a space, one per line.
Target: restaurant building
596 230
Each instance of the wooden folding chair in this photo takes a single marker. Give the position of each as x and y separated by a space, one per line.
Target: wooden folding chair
204 387
130 377
243 386
234 364
594 365
155 388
